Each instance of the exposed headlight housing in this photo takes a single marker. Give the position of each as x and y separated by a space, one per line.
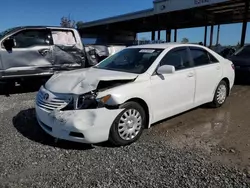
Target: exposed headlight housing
89 101
86 101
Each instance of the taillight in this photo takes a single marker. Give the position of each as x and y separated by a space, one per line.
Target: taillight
233 66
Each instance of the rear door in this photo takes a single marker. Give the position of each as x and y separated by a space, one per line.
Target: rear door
28 55
208 72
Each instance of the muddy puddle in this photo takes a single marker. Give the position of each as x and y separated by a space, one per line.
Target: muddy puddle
223 132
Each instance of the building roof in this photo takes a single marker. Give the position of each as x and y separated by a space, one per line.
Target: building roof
171 14
120 18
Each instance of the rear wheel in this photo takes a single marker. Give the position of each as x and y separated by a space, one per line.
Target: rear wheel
220 94
128 125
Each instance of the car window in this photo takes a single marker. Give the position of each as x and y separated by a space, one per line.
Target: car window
64 37
177 58
212 58
200 57
28 38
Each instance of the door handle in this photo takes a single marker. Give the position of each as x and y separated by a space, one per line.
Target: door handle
218 68
190 74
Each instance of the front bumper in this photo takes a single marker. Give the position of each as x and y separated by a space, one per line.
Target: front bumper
85 126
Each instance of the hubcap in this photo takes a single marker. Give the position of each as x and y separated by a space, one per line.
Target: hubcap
221 94
130 124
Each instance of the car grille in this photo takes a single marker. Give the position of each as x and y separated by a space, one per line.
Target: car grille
51 104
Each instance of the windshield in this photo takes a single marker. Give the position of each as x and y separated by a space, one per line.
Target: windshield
7 31
243 51
132 60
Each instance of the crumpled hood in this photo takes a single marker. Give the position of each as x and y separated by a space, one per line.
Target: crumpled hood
84 80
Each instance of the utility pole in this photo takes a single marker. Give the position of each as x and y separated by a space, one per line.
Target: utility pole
218 35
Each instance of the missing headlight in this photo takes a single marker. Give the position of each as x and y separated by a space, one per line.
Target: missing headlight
69 106
87 101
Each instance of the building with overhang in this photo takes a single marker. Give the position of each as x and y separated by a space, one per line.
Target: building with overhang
171 15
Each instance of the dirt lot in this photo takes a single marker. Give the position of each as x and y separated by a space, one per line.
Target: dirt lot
201 148
226 129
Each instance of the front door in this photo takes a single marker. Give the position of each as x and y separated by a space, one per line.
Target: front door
173 93
28 55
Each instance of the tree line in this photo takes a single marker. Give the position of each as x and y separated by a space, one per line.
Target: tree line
67 22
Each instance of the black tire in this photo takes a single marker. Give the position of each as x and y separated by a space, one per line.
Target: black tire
216 103
7 87
2 88
114 136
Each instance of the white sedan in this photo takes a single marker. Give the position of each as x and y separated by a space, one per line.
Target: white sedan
132 89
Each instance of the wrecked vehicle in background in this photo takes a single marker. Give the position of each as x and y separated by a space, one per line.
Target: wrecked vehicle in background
130 90
225 52
241 60
104 51
34 51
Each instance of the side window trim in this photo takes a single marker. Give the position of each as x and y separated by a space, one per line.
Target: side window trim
51 42
190 57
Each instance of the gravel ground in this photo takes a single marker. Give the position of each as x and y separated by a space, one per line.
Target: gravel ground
31 158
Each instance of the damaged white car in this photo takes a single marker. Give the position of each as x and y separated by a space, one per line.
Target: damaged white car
127 92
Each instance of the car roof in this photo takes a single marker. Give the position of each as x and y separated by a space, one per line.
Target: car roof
166 45
39 26
19 28
14 29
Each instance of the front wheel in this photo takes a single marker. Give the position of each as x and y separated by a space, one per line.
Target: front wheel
220 94
128 125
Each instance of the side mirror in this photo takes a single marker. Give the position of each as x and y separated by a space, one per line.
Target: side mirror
9 44
166 69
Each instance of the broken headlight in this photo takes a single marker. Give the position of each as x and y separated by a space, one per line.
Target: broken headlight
89 101
86 101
